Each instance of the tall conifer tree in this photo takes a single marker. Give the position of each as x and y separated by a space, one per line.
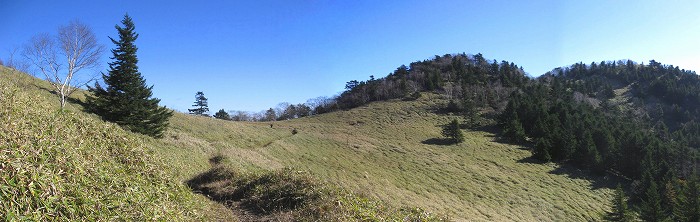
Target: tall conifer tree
126 100
201 104
620 211
651 206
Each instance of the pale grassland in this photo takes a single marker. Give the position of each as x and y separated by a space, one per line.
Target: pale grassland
379 151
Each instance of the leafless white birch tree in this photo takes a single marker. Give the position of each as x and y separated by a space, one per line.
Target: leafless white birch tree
61 57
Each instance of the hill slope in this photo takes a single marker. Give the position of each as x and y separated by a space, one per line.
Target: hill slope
72 166
392 151
387 150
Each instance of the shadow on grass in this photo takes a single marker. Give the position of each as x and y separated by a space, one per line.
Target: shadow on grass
215 185
438 141
82 104
530 159
251 197
597 180
495 131
69 99
442 110
492 129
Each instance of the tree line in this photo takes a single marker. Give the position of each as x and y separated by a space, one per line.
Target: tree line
568 116
283 111
469 81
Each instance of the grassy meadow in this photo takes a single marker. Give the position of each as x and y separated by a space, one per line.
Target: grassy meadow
388 151
392 151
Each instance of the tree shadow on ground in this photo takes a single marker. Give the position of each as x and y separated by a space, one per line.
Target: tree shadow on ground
530 159
598 181
492 129
213 185
495 131
230 188
78 102
45 89
82 105
442 110
438 141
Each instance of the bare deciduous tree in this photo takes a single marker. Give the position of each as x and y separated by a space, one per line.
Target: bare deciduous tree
60 58
241 116
14 63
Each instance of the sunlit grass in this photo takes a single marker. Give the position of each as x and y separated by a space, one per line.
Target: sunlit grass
382 151
91 169
70 166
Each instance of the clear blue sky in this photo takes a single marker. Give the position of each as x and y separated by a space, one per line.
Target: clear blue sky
251 55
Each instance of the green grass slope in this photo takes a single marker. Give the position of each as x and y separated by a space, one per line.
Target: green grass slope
389 151
70 166
73 166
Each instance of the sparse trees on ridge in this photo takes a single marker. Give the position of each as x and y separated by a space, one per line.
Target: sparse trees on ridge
60 58
241 116
270 115
17 64
127 100
221 114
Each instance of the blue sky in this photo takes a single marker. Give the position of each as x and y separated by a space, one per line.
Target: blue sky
251 55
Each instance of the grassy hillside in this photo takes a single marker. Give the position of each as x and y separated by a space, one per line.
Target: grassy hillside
391 151
72 166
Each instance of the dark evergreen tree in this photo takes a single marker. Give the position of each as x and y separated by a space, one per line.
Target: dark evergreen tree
620 211
471 114
651 205
452 131
201 103
512 127
542 148
687 206
126 100
221 114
